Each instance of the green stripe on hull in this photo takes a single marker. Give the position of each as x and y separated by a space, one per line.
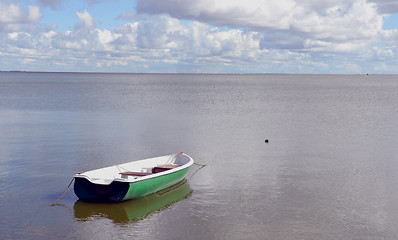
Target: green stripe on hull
151 185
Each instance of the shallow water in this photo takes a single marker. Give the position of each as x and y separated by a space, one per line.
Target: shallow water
329 171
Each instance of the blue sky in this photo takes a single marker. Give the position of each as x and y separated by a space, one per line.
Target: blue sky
200 36
105 13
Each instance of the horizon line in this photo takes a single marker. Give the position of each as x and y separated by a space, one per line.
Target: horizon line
189 73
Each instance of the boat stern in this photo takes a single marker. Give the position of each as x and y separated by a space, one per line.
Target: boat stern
88 191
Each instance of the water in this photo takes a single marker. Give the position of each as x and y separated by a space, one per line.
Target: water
329 171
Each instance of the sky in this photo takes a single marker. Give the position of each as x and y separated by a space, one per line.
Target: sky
200 36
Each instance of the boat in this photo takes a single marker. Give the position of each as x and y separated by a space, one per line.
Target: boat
132 180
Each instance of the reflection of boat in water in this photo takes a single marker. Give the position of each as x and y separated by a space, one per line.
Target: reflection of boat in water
135 209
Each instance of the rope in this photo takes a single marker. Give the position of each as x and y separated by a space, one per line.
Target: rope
197 164
202 165
118 168
171 159
63 193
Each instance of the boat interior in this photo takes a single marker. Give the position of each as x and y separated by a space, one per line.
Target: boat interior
139 168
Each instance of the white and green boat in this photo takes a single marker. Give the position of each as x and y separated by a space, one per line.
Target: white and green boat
132 180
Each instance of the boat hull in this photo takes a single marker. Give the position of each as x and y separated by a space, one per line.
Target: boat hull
151 185
118 191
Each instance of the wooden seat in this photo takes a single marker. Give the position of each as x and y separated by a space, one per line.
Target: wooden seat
135 174
164 167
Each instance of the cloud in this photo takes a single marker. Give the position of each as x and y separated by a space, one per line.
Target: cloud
386 6
330 19
159 32
54 4
13 18
151 40
51 27
291 30
390 35
207 36
93 2
28 61
21 40
126 16
86 18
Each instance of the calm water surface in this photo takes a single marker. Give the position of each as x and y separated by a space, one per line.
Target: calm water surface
330 170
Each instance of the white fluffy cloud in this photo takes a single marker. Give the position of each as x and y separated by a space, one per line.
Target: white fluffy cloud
13 18
86 18
331 19
207 36
308 29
